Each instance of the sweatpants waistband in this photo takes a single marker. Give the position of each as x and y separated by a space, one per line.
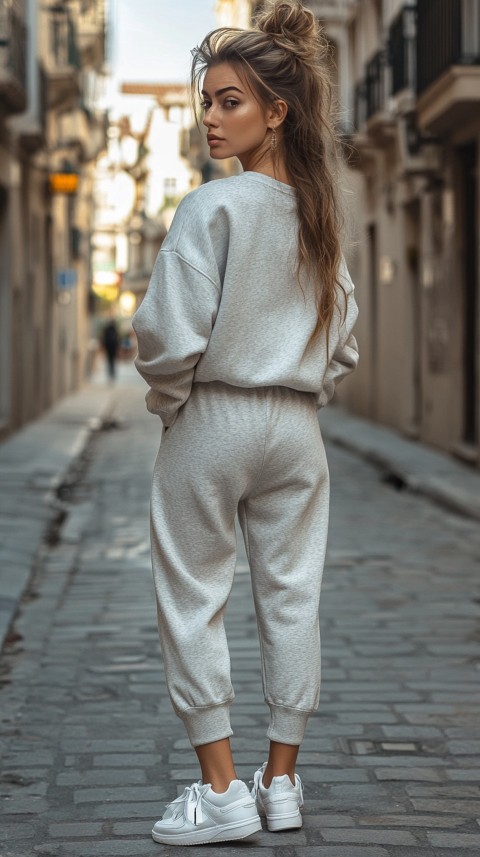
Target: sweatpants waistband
260 391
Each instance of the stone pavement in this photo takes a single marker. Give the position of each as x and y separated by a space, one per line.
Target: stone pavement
91 750
419 468
36 466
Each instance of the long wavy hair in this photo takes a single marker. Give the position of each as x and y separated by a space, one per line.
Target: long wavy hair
285 57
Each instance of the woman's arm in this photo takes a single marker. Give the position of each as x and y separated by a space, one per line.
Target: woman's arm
345 356
173 325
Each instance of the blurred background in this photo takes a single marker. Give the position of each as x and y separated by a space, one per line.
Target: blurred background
98 144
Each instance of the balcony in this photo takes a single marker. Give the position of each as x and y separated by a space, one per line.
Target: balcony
63 61
30 126
357 145
402 56
360 105
448 62
13 50
91 33
379 119
84 130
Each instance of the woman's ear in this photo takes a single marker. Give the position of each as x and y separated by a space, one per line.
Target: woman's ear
277 112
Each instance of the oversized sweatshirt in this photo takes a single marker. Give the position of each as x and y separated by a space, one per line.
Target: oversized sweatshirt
224 303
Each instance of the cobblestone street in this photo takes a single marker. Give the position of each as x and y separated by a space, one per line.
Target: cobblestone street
91 750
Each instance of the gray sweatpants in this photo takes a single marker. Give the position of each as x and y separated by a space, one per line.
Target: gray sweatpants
257 451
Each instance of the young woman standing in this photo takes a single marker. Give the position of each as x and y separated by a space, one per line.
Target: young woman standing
243 334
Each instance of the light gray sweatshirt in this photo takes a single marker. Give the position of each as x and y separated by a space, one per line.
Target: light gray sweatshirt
223 302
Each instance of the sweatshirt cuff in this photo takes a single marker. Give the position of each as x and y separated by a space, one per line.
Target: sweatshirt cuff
154 402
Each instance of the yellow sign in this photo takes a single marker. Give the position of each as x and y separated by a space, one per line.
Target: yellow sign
107 293
63 182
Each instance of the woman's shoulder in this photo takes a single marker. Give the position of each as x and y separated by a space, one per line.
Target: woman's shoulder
205 213
214 193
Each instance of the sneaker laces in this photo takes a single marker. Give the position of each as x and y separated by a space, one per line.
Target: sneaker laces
189 804
257 779
298 782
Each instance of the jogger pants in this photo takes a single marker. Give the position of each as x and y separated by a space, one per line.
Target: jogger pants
259 452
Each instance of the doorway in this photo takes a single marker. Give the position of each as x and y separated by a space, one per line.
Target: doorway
373 318
5 313
412 250
468 186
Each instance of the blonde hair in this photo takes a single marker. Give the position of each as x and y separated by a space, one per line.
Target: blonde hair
285 57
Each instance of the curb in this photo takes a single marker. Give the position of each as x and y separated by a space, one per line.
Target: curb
421 469
34 463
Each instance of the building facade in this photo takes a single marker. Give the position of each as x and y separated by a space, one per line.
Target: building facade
413 137
408 82
51 130
146 168
234 13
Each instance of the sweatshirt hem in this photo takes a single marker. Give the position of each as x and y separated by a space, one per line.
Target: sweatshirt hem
208 723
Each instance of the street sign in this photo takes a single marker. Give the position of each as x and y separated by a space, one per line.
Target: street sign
66 278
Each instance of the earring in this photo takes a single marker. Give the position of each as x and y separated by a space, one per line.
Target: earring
273 142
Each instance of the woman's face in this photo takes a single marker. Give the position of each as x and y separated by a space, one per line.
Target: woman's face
236 122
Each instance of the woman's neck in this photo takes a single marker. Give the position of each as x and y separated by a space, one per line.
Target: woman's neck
279 175
266 167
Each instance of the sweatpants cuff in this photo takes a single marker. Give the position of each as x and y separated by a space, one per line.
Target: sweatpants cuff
207 724
287 725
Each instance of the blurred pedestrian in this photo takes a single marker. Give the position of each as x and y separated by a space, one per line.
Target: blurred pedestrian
111 342
245 330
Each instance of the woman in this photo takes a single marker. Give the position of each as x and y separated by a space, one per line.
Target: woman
243 334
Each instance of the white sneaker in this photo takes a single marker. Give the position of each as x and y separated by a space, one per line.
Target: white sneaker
281 802
201 815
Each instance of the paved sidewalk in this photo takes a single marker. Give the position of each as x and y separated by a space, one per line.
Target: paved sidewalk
34 464
90 749
421 469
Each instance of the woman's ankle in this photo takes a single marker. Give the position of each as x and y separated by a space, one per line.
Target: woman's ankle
216 764
269 774
281 760
220 786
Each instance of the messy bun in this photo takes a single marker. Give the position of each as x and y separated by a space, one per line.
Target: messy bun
284 57
293 27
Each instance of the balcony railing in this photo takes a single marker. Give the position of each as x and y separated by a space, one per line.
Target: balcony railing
13 55
360 105
448 34
376 84
43 95
63 60
402 50
92 14
63 42
369 96
30 127
91 30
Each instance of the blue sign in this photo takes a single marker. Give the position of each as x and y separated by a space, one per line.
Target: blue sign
66 278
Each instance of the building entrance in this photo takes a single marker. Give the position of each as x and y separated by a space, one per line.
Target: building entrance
4 312
412 249
468 187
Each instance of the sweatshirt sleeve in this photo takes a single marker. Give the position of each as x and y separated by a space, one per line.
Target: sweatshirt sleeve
173 325
345 355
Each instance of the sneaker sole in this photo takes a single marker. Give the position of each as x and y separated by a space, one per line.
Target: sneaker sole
284 822
288 821
221 833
